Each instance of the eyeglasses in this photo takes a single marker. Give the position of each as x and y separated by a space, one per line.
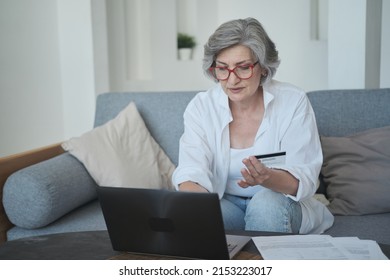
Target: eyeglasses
242 72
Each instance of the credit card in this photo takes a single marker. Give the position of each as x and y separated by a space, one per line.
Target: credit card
272 159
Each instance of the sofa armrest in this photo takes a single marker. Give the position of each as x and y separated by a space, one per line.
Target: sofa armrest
13 163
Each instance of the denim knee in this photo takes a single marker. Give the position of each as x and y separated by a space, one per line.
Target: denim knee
273 211
233 215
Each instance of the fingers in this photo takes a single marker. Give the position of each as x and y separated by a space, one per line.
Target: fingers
254 174
253 165
247 180
243 184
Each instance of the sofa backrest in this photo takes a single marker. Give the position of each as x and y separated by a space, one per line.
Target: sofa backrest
345 112
161 111
338 112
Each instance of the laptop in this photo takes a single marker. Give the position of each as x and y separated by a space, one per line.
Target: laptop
169 223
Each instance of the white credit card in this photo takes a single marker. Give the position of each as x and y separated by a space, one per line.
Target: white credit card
273 159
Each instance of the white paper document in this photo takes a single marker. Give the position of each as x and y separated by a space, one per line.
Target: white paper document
317 247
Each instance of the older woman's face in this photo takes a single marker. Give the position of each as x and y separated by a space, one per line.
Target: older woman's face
237 89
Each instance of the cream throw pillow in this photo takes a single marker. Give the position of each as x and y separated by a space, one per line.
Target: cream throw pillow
122 153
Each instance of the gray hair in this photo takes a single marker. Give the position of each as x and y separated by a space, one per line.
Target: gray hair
247 32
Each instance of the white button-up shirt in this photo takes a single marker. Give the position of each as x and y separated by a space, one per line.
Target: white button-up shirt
288 126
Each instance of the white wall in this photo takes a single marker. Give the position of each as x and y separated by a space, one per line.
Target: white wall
304 60
77 66
385 46
347 21
46 72
134 67
30 80
57 55
288 23
359 43
322 43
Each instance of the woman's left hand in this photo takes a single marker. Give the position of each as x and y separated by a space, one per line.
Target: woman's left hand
254 174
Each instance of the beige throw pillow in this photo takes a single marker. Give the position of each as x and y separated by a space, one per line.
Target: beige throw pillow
122 153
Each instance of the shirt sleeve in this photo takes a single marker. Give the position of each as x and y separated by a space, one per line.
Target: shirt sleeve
302 144
195 156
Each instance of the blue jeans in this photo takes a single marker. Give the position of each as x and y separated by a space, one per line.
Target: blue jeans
265 211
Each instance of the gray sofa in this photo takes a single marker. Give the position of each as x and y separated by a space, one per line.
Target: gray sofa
55 193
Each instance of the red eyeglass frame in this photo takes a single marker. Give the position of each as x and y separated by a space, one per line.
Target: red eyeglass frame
212 68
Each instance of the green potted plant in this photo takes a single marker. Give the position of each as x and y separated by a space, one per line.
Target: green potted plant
185 45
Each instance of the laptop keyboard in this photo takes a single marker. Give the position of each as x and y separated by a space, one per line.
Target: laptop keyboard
231 247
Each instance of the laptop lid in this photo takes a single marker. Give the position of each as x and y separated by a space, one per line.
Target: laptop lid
164 222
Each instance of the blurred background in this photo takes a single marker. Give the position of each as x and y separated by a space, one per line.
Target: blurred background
56 56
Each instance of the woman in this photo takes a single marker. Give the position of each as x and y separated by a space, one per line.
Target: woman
246 114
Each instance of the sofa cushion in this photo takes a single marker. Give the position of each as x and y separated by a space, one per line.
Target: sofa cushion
375 227
356 171
122 153
35 196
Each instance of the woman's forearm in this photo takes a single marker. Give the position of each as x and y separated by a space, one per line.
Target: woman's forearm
190 186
